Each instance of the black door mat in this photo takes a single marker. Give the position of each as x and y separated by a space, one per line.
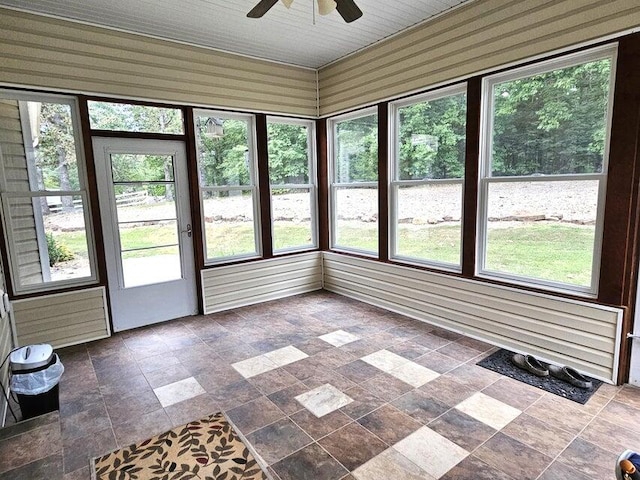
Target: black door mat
500 362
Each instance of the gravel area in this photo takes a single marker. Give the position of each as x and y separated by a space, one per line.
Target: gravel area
552 201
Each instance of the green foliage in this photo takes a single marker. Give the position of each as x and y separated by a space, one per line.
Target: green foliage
357 150
552 123
58 251
135 118
432 139
288 153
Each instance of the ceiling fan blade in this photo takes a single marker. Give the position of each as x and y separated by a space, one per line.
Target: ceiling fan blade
348 10
261 8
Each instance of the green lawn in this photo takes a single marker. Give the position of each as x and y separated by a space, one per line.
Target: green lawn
559 252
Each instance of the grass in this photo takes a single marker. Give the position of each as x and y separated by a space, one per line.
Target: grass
549 251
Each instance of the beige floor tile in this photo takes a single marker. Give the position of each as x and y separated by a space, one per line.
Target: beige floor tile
390 464
339 338
178 391
323 400
254 366
385 360
432 452
414 374
285 356
488 410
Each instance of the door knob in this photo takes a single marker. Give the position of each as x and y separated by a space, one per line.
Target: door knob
188 230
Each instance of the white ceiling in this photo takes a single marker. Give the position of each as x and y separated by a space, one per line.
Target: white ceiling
283 35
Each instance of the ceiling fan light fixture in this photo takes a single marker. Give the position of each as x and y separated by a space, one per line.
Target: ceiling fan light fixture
287 3
325 7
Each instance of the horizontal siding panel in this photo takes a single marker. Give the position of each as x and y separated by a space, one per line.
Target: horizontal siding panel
235 286
473 38
51 53
569 332
62 319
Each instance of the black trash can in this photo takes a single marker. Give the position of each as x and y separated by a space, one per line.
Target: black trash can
37 388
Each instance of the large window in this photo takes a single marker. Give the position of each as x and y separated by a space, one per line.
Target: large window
427 158
354 182
228 187
543 172
292 183
45 204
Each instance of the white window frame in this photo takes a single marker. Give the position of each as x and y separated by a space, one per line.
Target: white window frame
6 197
312 186
253 186
486 178
334 185
395 183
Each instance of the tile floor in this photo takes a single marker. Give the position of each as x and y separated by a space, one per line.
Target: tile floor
324 388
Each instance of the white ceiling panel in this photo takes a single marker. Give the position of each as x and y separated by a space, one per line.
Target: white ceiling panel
283 35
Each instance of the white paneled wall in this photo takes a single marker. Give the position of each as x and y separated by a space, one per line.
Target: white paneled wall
568 332
235 286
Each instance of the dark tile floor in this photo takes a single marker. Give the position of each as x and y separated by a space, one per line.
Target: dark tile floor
398 399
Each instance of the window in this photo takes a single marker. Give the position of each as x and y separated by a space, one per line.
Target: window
228 188
292 182
428 159
45 206
354 182
124 117
543 173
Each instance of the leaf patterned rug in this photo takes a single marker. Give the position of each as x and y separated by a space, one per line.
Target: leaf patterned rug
208 449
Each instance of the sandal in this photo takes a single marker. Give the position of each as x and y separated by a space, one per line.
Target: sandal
530 364
571 376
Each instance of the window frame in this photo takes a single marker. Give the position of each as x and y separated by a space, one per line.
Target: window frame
485 177
312 185
253 186
6 196
395 183
334 185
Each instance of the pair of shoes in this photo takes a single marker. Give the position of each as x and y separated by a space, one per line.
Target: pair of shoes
530 364
571 376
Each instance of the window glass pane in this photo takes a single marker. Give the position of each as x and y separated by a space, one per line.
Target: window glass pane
356 150
139 236
152 265
356 218
288 153
292 225
551 123
49 237
49 160
431 141
229 223
223 151
145 203
135 118
127 167
542 230
429 222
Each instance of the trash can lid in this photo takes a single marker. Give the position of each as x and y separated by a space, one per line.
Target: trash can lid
30 357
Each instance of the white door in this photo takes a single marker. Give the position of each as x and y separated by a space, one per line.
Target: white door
634 370
146 221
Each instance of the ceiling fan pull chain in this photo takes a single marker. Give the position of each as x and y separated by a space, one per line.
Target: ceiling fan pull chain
313 10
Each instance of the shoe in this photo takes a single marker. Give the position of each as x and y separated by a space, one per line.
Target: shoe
630 455
530 364
571 376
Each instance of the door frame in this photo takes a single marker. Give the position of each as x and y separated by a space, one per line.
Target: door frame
102 147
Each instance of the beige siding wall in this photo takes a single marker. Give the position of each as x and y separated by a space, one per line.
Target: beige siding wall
582 335
62 319
13 161
50 53
481 35
6 345
236 286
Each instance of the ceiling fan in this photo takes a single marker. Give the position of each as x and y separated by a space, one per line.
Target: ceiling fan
346 8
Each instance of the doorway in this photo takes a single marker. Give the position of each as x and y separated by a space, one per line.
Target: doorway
146 221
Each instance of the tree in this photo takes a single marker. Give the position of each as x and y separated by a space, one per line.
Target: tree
357 150
288 153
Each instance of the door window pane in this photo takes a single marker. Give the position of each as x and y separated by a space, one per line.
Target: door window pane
142 235
125 117
149 266
128 167
145 203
